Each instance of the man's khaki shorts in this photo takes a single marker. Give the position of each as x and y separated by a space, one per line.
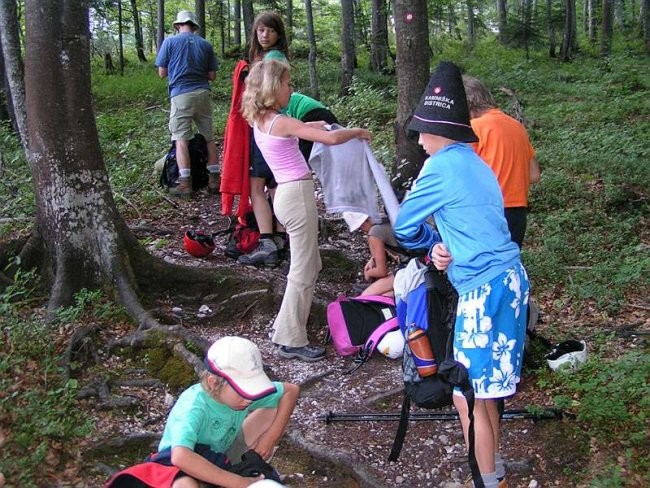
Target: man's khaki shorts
186 108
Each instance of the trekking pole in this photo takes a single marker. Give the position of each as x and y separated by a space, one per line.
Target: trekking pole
449 415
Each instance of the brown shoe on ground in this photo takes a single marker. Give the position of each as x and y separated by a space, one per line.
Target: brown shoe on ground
183 188
214 182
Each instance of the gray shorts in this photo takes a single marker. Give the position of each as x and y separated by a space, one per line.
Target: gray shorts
194 106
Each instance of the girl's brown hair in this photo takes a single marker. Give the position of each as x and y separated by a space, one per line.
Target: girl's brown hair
274 21
262 84
479 98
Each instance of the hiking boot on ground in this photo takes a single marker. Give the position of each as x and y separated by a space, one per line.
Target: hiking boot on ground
282 244
470 484
266 253
214 182
305 353
183 189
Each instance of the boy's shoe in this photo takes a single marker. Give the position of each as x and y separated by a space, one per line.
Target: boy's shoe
470 484
214 182
183 188
266 253
305 353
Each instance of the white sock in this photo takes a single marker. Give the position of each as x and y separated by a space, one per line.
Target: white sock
184 173
499 465
214 168
490 480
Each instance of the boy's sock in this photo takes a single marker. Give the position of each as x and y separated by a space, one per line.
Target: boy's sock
184 172
499 465
213 168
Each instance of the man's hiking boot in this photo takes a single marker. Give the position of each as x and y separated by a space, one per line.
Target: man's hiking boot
214 182
183 189
305 353
266 253
470 484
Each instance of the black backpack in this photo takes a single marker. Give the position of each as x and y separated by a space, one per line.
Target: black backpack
199 164
435 391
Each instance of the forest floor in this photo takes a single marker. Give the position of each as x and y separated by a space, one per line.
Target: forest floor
315 453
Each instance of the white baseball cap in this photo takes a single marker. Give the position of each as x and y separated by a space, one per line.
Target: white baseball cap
239 362
354 219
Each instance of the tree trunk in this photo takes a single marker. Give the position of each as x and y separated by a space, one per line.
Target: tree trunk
289 28
592 33
644 19
502 10
119 35
14 71
379 42
236 22
619 15
568 42
552 34
160 34
313 75
606 29
199 7
471 36
413 61
347 47
139 41
247 13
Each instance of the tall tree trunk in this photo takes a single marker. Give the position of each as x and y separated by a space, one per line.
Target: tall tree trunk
14 70
313 75
644 20
592 34
606 29
119 35
471 36
552 33
379 36
289 26
619 15
160 33
566 52
151 27
236 22
413 55
502 16
222 28
139 42
199 7
247 13
347 45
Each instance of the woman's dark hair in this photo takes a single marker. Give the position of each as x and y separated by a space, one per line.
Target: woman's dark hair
274 21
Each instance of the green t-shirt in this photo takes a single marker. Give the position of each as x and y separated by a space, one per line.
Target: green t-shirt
275 54
197 418
300 105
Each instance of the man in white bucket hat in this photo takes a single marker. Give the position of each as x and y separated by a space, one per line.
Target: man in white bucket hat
189 63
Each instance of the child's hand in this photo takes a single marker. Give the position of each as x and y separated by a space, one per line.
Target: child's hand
440 256
364 134
319 124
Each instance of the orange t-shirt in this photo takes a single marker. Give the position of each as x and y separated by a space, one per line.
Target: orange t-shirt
505 146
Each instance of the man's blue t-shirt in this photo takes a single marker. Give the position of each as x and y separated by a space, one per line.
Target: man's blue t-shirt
188 59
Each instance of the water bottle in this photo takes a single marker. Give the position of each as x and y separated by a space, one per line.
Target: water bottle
423 357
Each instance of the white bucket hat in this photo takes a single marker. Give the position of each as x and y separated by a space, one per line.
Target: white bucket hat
185 16
239 362
354 219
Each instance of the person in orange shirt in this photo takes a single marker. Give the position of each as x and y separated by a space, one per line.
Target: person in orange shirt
504 145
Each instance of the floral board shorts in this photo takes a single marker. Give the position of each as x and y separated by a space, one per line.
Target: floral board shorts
490 332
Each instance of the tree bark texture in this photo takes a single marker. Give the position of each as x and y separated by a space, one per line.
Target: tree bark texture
471 34
593 22
552 34
199 8
248 15
502 10
347 46
606 28
236 22
379 36
139 41
413 62
14 68
568 41
313 75
644 19
160 32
